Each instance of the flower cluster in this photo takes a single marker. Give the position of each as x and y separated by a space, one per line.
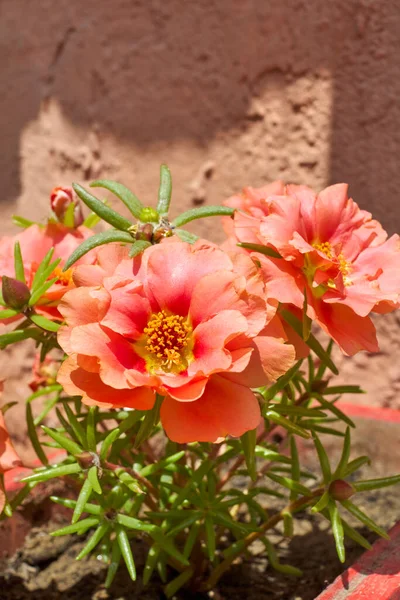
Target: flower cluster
190 323
332 256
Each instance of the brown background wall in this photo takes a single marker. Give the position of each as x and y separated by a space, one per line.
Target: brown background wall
227 92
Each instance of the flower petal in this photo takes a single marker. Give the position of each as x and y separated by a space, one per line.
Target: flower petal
225 408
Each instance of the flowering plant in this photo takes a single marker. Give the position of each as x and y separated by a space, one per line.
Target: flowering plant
172 364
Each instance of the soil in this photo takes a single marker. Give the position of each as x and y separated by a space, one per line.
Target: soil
45 568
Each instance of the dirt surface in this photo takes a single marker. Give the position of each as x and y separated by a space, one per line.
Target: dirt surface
45 567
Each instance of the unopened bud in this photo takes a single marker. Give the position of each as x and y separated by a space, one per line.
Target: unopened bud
149 214
61 199
341 490
85 459
16 293
145 232
162 232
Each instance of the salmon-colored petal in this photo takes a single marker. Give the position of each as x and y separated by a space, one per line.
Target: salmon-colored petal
225 408
189 392
129 311
172 271
8 457
210 339
77 381
350 331
276 356
114 352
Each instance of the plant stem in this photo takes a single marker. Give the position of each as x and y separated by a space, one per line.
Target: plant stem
291 508
153 497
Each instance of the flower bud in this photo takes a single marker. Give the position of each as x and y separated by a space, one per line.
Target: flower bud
16 293
61 199
341 490
145 232
149 214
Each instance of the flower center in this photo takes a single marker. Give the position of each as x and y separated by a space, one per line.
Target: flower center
168 342
337 259
63 277
324 247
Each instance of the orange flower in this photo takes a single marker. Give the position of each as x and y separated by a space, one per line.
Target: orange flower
334 252
188 322
8 457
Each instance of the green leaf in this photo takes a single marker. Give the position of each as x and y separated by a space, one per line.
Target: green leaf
343 389
114 563
375 484
271 455
40 282
91 220
44 323
337 530
66 443
333 409
126 551
98 535
354 535
274 561
288 425
34 437
83 497
176 584
153 468
344 459
21 221
150 420
167 545
92 477
191 540
131 201
92 509
57 471
40 291
312 341
282 382
210 536
69 216
91 428
138 247
79 527
77 428
107 214
248 441
151 562
356 464
38 278
8 313
261 249
200 213
323 460
297 411
295 467
105 237
306 319
322 503
186 236
361 516
133 523
165 190
18 263
18 335
291 485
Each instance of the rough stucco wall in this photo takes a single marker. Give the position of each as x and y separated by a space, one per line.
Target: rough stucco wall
227 92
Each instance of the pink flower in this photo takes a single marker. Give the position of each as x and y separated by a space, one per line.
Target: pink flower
8 457
335 253
188 322
35 242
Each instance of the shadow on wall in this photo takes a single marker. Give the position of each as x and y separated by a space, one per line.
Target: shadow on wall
149 70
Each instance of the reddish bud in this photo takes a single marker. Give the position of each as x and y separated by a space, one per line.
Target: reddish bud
16 294
145 232
341 490
61 199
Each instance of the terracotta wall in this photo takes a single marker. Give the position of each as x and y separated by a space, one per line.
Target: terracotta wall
227 92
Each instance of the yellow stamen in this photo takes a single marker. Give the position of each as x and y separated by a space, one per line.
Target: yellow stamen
325 248
63 277
167 343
